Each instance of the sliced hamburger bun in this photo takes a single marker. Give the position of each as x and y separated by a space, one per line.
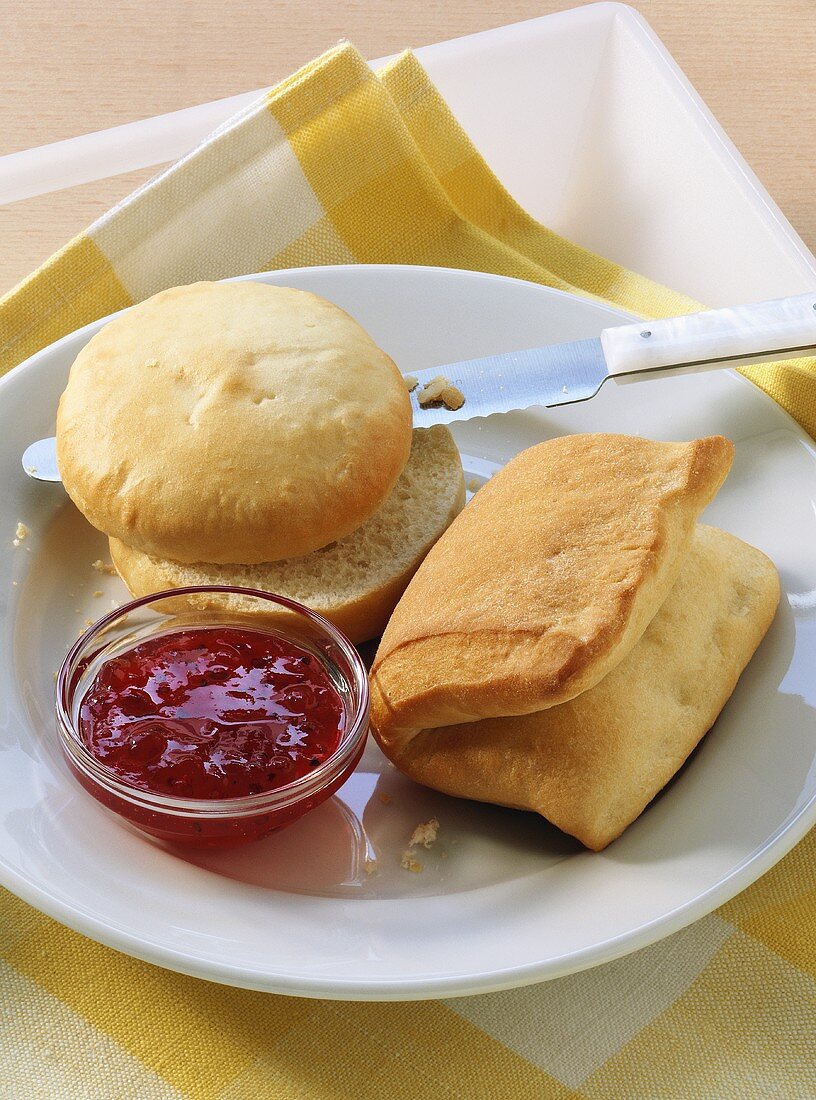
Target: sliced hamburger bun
355 582
232 422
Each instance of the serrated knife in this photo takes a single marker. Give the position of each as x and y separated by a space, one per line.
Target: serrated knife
560 374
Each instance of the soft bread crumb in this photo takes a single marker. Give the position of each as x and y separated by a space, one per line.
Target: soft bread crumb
474 485
97 593
370 866
103 567
441 391
425 834
432 391
411 382
385 798
20 534
453 398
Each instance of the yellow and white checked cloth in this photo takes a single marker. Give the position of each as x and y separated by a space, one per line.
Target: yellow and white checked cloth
338 164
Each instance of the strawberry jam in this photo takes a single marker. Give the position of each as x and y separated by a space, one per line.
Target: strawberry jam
212 712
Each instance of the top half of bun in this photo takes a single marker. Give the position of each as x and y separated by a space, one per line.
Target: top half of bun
546 580
232 422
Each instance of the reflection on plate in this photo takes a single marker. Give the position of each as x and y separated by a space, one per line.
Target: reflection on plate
351 846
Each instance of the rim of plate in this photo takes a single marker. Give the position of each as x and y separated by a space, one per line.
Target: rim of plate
426 987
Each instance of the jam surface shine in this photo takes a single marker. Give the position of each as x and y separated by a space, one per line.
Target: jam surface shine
212 712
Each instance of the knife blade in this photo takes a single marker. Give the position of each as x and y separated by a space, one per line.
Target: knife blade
556 374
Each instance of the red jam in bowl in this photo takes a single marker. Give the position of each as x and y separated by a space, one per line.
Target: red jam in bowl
212 713
207 730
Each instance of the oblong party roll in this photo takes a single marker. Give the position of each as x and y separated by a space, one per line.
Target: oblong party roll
545 581
591 765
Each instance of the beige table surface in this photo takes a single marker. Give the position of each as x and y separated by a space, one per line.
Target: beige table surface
70 66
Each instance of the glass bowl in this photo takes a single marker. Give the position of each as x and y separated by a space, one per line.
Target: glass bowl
210 823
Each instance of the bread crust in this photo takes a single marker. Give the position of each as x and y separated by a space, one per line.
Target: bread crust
362 607
232 422
546 580
591 765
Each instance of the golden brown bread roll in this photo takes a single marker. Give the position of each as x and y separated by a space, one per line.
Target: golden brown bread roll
545 581
232 422
591 765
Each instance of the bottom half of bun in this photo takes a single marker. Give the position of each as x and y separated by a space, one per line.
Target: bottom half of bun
355 582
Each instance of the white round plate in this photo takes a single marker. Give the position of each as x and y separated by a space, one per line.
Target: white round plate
503 898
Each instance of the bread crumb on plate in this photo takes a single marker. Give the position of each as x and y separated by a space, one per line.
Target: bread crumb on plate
386 799
20 533
425 834
411 382
409 863
103 567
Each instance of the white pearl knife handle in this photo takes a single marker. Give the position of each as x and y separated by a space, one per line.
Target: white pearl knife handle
780 329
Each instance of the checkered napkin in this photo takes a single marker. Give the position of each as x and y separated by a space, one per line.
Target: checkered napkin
340 165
